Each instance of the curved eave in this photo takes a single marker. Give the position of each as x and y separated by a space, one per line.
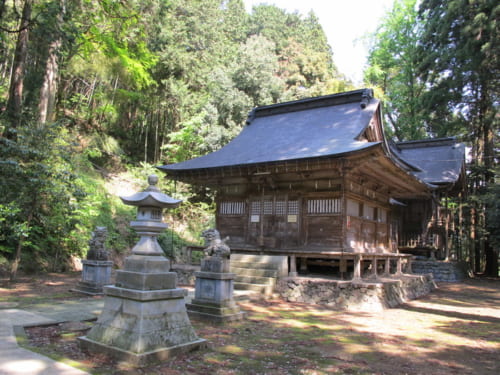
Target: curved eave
407 177
151 199
179 173
405 166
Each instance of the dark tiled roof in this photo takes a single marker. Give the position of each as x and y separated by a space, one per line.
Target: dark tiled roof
302 129
440 160
326 126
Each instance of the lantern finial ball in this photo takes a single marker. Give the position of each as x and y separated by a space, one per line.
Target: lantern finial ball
152 179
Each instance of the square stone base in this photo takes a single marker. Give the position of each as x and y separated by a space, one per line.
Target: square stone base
95 274
214 313
142 325
213 298
141 359
91 289
215 288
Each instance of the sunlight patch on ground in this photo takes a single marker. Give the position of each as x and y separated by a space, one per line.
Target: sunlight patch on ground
22 367
232 349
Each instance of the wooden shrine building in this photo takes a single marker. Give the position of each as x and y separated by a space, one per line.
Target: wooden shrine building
316 179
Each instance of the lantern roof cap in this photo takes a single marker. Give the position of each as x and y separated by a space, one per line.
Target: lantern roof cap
151 196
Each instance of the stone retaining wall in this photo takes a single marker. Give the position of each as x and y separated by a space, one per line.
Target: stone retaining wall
442 271
355 296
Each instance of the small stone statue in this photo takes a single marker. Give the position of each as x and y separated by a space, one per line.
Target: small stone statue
215 246
96 271
214 287
97 248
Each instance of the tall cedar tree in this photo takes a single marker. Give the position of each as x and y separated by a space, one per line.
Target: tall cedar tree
14 106
392 68
460 62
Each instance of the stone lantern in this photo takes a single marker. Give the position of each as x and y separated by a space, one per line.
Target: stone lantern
150 204
144 317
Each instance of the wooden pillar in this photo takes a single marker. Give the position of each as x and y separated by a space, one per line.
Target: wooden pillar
342 267
357 268
387 265
293 267
375 266
398 267
303 265
409 266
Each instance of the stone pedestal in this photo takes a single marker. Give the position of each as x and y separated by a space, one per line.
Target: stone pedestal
214 286
144 318
95 275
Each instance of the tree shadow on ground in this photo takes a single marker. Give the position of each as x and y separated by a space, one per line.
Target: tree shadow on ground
426 336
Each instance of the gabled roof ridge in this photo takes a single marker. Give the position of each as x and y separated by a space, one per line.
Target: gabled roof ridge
363 96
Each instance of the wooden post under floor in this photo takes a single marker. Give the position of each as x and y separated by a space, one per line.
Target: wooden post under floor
303 265
293 267
357 268
375 266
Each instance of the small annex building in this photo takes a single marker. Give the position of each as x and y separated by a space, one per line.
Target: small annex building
316 180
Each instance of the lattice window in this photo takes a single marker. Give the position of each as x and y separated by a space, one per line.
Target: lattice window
324 206
255 208
232 208
268 208
280 207
293 207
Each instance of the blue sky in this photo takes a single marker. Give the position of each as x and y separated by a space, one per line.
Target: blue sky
345 22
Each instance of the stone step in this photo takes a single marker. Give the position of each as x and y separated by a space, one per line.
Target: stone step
254 265
255 280
243 295
254 272
260 288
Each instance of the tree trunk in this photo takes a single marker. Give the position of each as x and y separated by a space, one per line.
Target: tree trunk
446 229
491 254
2 8
17 257
491 268
475 251
48 91
15 102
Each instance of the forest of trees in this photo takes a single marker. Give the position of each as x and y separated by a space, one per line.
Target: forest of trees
436 65
92 86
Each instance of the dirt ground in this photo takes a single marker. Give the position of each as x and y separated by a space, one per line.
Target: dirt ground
454 330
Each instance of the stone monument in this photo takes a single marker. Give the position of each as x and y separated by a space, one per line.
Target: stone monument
213 299
144 318
96 271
